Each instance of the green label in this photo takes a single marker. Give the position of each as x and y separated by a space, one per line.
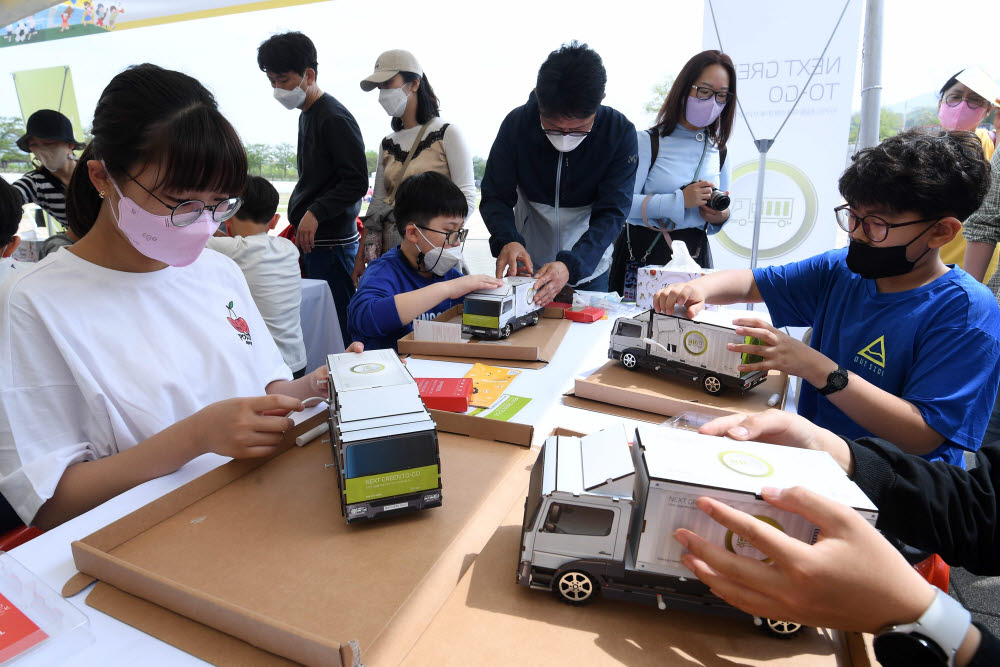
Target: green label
750 358
481 321
510 406
389 484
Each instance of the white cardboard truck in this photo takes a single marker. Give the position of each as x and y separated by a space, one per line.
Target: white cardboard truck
498 312
693 349
600 515
384 441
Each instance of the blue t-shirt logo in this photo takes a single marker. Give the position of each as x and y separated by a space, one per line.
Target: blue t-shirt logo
875 351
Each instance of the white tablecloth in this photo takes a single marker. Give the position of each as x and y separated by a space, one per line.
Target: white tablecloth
320 325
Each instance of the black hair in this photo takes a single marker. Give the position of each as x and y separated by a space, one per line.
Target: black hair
287 52
427 101
928 171
422 197
149 116
11 203
672 110
571 82
260 201
949 83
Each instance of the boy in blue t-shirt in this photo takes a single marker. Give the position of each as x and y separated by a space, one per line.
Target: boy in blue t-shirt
904 347
418 279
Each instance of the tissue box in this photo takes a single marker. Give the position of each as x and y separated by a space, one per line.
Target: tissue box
651 279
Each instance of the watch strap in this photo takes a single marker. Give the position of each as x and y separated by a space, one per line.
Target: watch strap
831 386
945 622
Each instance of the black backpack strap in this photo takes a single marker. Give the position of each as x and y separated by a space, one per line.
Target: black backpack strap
654 147
722 156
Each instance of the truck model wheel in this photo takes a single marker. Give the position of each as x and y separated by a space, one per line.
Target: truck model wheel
505 332
712 384
534 320
629 360
781 629
576 588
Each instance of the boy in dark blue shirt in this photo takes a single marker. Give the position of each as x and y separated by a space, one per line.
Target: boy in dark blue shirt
419 278
904 347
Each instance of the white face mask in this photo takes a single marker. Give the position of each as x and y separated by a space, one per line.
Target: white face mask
440 260
53 158
393 100
563 143
291 99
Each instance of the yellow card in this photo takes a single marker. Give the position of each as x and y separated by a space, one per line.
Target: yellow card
489 383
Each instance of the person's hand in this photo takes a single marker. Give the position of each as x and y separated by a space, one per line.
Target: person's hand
850 579
359 265
679 294
779 427
356 347
514 260
549 280
781 352
244 427
305 233
697 193
459 287
713 217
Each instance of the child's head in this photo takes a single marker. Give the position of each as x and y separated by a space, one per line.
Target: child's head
11 202
160 141
258 213
429 201
927 172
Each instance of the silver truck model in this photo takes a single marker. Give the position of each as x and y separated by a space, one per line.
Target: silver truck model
499 312
693 349
385 445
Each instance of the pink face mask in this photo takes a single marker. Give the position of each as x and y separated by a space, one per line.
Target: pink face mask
960 117
702 113
158 238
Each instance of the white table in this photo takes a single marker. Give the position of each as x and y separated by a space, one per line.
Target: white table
584 348
320 324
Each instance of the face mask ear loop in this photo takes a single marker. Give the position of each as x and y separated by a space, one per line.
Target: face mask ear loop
420 257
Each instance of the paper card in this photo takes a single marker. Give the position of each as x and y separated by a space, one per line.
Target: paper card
18 633
494 373
438 332
489 383
504 410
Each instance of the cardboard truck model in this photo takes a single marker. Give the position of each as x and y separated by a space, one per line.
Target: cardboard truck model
385 445
600 515
693 349
499 312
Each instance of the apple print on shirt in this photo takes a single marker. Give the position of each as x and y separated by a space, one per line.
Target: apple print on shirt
240 324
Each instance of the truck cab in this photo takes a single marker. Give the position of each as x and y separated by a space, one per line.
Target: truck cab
497 313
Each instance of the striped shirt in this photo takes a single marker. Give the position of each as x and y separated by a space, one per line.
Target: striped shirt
42 188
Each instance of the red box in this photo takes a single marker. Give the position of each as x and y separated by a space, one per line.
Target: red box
449 394
586 314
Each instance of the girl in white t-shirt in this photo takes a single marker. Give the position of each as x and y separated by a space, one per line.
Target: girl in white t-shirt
133 351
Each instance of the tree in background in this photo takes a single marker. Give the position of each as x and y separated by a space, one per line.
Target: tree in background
890 123
372 157
478 168
11 157
660 91
285 157
276 163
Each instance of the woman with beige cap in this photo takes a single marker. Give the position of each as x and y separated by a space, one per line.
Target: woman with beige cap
420 142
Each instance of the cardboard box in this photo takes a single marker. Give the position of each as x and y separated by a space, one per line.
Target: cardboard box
679 466
615 385
256 555
651 279
533 344
490 620
447 394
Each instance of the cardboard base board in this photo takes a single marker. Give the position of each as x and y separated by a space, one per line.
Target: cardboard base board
648 391
490 620
530 345
574 401
261 553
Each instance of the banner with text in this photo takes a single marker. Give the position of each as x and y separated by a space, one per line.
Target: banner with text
775 45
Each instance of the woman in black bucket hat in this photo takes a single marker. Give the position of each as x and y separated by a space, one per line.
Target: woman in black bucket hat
49 137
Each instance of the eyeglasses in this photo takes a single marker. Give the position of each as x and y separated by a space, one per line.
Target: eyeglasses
704 93
874 227
954 99
453 237
186 212
560 133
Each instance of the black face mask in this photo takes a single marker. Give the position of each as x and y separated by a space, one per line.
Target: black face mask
873 262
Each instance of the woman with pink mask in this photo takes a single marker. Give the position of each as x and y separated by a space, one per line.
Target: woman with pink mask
682 175
966 99
136 350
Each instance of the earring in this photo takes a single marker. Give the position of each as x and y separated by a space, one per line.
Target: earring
101 194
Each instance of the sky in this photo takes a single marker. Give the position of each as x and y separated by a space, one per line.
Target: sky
480 57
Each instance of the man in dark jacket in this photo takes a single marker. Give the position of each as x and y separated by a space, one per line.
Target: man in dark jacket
852 578
559 178
333 170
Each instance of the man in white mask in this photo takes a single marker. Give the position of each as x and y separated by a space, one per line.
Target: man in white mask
559 178
333 170
419 278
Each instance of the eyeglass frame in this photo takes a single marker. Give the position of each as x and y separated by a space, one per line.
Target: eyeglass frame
961 98
463 234
889 226
714 93
204 206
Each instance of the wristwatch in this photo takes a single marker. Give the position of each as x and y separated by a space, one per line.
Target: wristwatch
932 641
835 381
